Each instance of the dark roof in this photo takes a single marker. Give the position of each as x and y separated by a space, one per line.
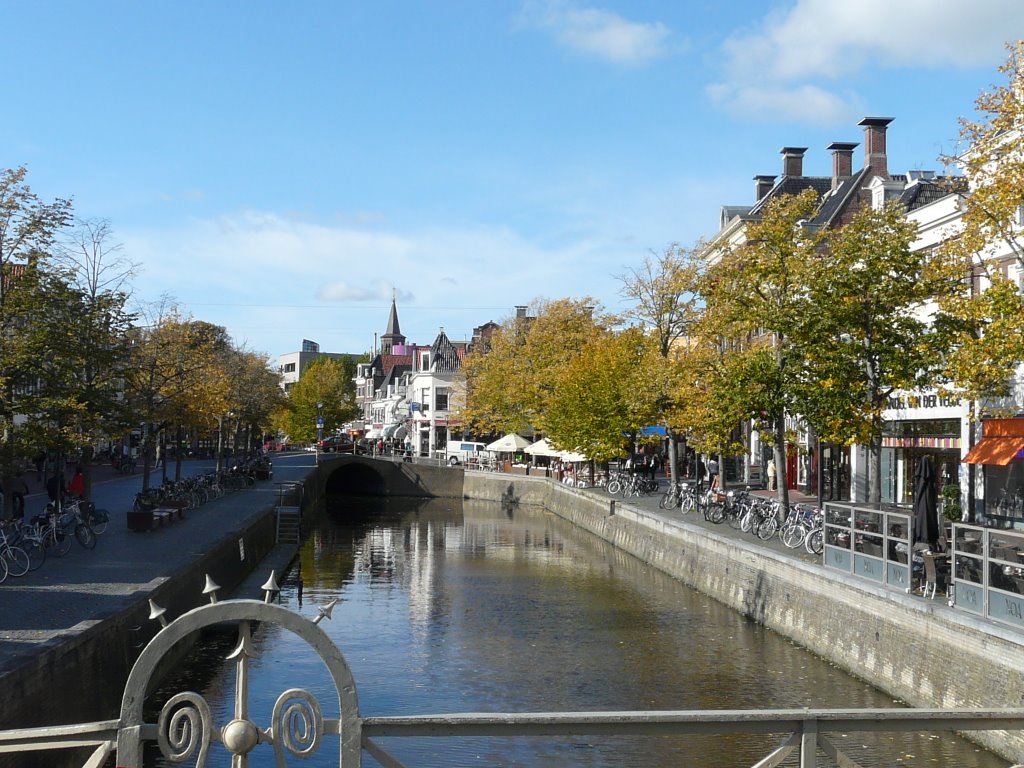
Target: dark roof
792 185
927 191
836 203
443 354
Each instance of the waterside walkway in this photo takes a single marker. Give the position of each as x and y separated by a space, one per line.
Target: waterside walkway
70 594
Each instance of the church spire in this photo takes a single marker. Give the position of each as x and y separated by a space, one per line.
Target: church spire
393 335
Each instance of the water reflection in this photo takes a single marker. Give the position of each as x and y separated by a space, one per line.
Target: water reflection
488 607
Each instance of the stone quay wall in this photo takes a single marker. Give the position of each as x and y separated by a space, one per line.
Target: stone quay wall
80 677
917 650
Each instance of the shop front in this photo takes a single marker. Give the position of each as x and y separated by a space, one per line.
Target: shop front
906 443
918 425
1000 454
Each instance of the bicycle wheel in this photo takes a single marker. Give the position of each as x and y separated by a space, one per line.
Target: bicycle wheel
36 553
56 542
98 520
747 521
85 536
792 535
3 570
688 504
815 542
767 528
716 512
735 517
17 560
614 487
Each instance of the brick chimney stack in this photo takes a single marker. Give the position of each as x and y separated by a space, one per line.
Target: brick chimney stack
842 162
793 161
874 145
763 185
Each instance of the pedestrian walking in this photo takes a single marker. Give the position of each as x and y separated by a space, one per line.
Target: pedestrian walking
713 474
40 462
76 488
771 474
18 495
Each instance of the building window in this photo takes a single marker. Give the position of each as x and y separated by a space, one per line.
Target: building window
289 367
425 361
441 400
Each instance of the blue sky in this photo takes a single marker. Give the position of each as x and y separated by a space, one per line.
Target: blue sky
283 169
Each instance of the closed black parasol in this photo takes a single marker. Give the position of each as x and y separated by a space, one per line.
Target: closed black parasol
926 512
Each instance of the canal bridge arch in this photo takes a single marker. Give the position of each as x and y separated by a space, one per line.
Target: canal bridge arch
382 476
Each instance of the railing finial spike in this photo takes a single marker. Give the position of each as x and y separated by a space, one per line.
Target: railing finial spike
324 611
211 589
270 587
156 612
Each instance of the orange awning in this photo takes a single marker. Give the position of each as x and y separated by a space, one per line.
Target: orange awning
996 450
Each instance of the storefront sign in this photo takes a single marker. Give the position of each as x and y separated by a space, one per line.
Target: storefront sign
904 402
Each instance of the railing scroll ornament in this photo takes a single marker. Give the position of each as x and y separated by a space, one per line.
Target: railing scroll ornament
185 729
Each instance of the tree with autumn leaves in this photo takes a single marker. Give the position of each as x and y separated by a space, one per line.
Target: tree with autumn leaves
325 390
982 312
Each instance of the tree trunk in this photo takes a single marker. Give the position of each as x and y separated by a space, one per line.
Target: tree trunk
672 469
781 468
145 448
178 435
87 455
874 470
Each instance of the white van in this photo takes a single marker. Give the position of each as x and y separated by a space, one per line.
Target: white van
460 453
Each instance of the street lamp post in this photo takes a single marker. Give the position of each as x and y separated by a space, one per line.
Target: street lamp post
220 443
319 427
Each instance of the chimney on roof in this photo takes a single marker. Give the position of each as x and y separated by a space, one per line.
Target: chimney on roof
874 145
763 185
793 161
520 311
842 162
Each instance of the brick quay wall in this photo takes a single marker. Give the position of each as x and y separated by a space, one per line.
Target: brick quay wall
917 650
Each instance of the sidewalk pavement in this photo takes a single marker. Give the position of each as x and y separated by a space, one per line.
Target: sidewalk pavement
68 594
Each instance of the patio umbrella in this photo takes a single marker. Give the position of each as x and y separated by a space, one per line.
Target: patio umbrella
543 448
510 443
926 512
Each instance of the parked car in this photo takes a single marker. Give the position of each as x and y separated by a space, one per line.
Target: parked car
339 443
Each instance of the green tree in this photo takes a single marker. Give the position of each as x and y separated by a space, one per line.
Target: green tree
509 385
96 328
255 393
605 393
28 229
176 375
981 311
325 389
756 300
664 292
866 334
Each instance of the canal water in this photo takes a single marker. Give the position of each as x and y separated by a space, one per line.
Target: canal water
452 606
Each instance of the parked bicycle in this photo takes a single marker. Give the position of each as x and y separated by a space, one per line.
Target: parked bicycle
15 558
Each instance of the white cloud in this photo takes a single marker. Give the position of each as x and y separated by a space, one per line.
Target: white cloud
599 32
262 274
798 54
377 291
799 103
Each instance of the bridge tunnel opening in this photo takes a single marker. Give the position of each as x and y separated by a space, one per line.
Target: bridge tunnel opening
355 479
